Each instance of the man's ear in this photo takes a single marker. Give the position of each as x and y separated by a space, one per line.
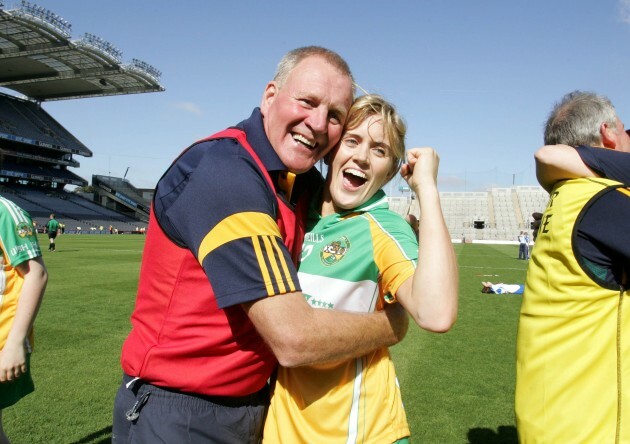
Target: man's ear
609 135
269 95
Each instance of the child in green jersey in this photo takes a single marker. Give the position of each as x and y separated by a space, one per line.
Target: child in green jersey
22 285
359 256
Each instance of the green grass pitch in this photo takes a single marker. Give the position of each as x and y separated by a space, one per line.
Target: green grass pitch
457 387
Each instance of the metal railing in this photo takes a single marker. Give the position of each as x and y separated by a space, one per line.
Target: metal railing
45 16
102 45
145 67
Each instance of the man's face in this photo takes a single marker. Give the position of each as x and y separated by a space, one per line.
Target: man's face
303 118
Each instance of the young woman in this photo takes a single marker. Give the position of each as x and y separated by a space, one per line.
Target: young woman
358 256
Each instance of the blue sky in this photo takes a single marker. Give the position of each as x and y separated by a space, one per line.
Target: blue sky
473 79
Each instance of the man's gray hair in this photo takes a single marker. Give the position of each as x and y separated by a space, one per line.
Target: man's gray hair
576 119
292 58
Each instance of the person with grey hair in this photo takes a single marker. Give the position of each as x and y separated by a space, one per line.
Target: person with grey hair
219 303
571 356
579 118
573 140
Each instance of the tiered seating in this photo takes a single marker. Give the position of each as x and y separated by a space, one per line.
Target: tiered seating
27 120
461 209
504 211
399 204
123 186
15 122
505 217
40 170
36 211
531 199
72 210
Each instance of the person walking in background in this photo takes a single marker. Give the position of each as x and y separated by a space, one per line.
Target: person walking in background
52 227
572 360
527 239
219 302
522 245
22 287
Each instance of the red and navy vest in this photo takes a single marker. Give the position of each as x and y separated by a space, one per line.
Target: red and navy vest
180 339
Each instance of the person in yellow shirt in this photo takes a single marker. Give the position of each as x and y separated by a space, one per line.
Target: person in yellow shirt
573 359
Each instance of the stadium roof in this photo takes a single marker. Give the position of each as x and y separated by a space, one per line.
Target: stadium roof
39 60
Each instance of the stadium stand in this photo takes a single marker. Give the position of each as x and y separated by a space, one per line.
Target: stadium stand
504 211
120 195
71 210
531 199
40 62
28 120
399 204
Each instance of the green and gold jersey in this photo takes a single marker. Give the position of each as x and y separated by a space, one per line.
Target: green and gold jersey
354 261
18 242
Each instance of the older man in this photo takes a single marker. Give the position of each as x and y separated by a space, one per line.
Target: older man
573 362
218 298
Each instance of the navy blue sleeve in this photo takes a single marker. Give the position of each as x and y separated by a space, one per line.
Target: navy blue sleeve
602 233
607 163
215 201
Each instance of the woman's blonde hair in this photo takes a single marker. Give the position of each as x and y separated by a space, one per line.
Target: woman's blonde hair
394 126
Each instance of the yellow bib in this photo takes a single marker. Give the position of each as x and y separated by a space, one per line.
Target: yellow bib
571 333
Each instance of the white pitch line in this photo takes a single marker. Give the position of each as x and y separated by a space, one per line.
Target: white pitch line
494 268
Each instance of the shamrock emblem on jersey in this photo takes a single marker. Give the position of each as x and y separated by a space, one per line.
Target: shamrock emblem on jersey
334 251
23 229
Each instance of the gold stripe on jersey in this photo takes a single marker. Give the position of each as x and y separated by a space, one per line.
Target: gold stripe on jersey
12 283
237 226
625 191
262 264
283 264
271 248
273 265
286 180
390 258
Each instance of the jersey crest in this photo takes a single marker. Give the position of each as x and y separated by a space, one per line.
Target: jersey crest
24 229
333 252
